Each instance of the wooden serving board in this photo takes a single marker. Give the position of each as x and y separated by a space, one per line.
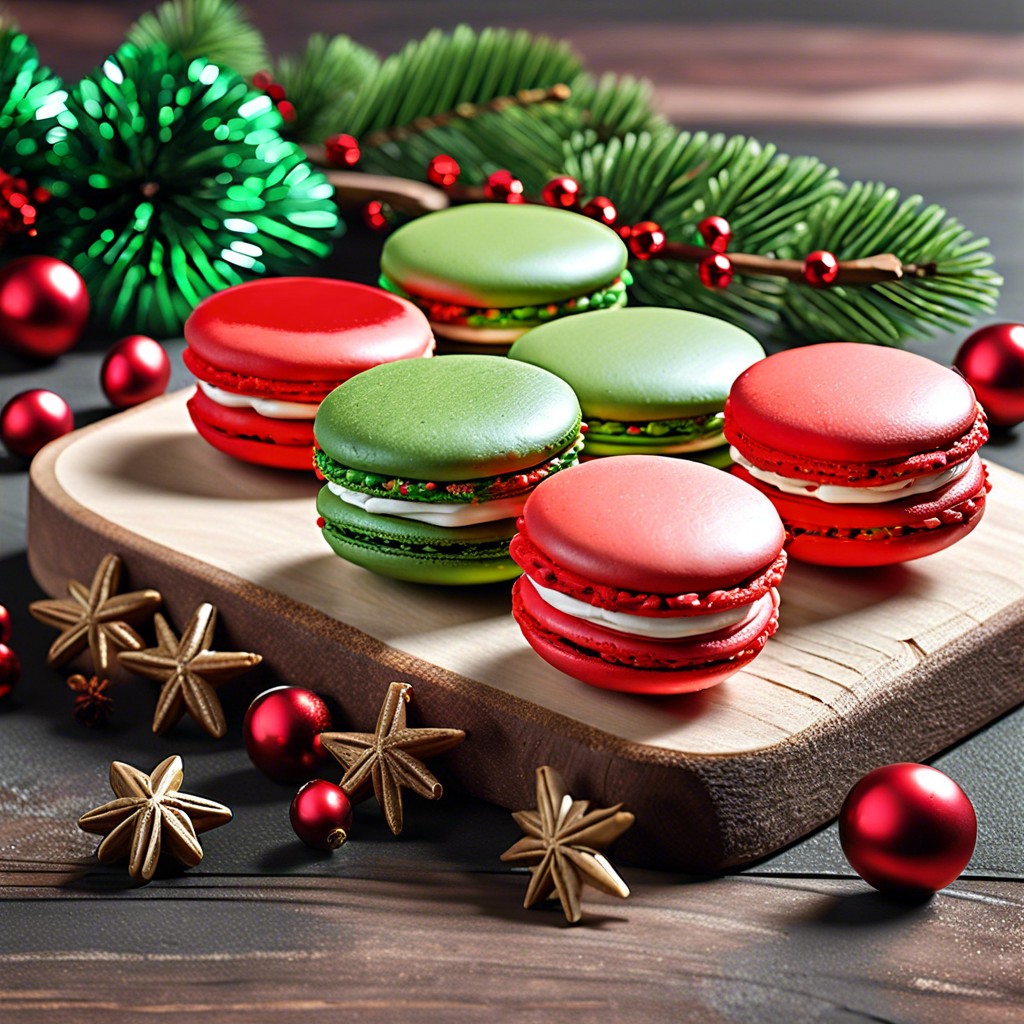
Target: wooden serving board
868 667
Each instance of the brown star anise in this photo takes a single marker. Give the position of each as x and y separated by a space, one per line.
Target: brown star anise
561 845
92 705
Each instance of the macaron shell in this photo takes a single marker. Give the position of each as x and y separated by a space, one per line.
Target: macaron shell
501 256
642 363
452 418
654 524
848 403
305 329
618 661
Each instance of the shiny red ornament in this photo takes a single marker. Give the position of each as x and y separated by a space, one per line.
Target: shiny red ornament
32 419
134 370
715 232
375 215
645 239
10 671
820 269
907 828
282 733
342 150
43 306
5 625
321 814
715 271
502 187
562 192
443 171
992 362
602 209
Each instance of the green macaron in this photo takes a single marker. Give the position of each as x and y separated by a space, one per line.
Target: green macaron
650 380
426 468
487 272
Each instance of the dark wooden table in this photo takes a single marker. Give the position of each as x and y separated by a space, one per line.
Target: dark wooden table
430 927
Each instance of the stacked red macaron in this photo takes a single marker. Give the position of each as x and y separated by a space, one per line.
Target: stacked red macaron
869 454
647 574
268 352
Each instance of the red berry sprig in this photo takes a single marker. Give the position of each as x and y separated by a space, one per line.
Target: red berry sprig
563 193
503 187
443 171
821 268
601 209
263 81
377 215
19 206
715 232
715 271
342 150
645 239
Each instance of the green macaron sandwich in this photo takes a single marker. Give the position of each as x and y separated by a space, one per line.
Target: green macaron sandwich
651 381
427 466
487 272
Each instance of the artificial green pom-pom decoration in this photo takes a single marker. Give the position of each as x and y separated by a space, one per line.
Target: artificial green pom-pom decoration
173 184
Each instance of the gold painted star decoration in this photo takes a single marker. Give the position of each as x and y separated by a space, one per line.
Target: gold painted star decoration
96 617
391 757
189 671
149 816
561 846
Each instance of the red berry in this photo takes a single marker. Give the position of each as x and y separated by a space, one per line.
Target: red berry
375 215
715 271
501 187
602 209
646 239
715 232
443 171
820 269
342 150
320 522
562 192
262 80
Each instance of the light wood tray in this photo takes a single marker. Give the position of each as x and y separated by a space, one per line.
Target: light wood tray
868 666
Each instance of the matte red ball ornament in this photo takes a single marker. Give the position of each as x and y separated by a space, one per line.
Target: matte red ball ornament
5 625
32 419
907 828
602 209
645 239
321 814
134 370
502 187
562 192
10 671
282 733
43 306
820 268
715 232
992 362
715 271
443 170
342 150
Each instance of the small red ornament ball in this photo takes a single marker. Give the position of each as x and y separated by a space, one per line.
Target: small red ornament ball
715 271
992 362
443 170
5 625
10 671
562 192
321 814
282 733
907 828
32 419
645 239
502 187
342 150
820 268
43 306
715 233
134 370
602 209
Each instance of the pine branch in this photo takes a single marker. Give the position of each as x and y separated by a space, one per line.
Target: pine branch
218 30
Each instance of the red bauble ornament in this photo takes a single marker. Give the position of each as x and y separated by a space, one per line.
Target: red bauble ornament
907 828
5 625
342 150
820 268
715 271
134 370
645 239
321 814
43 306
501 187
443 170
375 215
602 209
562 192
715 233
282 733
10 671
992 362
34 418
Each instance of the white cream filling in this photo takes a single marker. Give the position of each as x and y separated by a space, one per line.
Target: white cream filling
673 628
834 494
435 513
272 408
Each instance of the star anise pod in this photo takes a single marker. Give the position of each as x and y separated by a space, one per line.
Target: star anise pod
92 705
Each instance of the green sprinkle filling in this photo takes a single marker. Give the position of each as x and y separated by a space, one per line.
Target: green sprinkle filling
691 429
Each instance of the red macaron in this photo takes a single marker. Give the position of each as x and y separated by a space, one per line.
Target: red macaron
266 353
646 574
869 454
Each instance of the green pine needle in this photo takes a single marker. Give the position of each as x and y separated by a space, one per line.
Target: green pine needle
216 29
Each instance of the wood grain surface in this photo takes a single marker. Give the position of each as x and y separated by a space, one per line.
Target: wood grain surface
868 667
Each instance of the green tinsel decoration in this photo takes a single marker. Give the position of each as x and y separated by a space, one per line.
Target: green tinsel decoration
174 183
